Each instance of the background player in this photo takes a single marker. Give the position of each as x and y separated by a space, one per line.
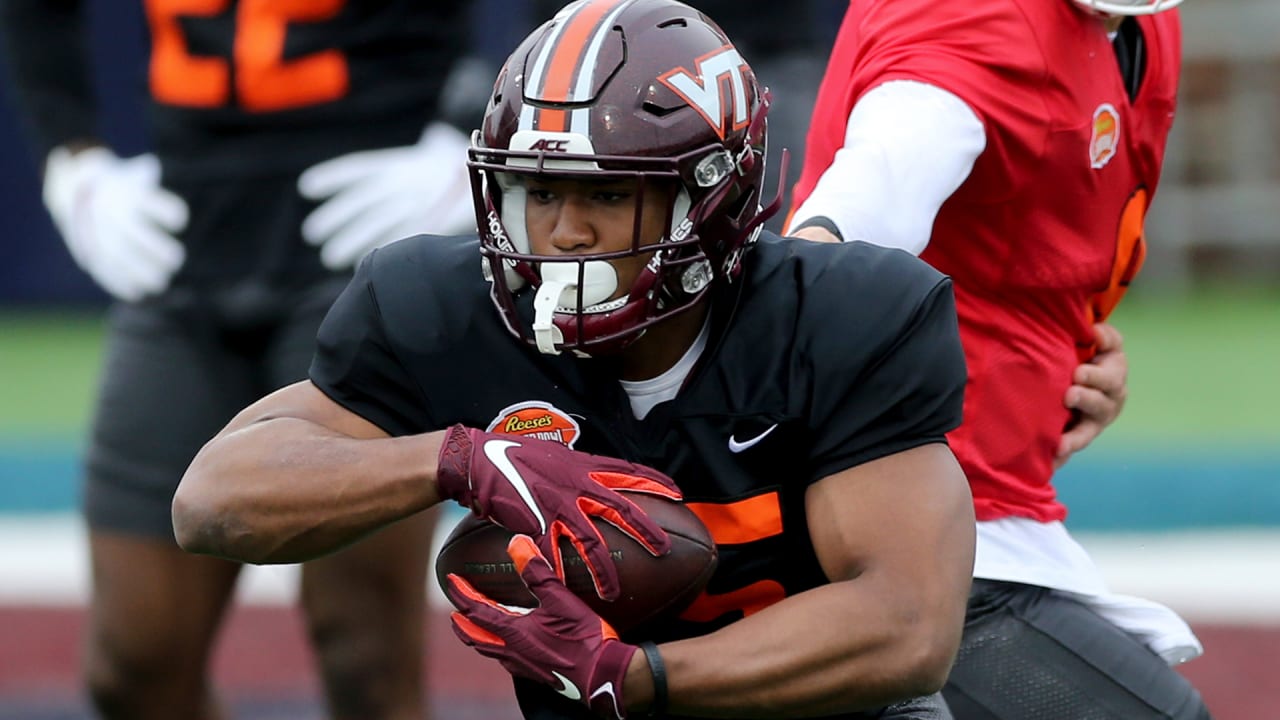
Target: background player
798 393
223 255
1016 145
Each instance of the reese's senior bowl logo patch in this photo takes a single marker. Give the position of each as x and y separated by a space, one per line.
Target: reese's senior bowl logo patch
1106 135
537 420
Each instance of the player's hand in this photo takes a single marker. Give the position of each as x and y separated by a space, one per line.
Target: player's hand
1097 395
371 198
560 643
116 219
544 489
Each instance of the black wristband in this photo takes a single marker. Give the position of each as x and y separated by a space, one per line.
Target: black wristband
658 707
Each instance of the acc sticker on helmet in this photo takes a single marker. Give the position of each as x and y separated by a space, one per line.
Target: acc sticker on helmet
538 420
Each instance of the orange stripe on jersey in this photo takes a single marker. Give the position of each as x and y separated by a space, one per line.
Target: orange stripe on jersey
748 601
743 521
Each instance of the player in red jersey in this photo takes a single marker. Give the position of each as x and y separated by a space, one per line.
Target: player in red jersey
289 139
1016 146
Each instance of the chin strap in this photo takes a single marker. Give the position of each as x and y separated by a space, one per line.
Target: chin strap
545 333
559 291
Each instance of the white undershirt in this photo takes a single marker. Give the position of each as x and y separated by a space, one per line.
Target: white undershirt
646 394
908 147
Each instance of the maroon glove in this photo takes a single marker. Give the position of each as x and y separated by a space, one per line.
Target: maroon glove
561 643
544 489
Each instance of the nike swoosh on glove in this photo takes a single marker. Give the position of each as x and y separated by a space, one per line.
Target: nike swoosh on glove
560 643
116 219
373 197
544 489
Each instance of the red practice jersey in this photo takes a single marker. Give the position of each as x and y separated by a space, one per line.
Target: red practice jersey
1046 233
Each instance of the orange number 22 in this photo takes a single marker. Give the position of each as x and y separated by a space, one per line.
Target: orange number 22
264 80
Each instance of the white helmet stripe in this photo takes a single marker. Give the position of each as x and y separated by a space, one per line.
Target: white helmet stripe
563 71
581 118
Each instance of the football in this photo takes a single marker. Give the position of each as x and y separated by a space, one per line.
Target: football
653 588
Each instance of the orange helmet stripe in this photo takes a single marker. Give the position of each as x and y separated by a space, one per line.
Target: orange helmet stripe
568 58
570 48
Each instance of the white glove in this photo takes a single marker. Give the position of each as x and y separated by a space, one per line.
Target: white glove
373 197
116 219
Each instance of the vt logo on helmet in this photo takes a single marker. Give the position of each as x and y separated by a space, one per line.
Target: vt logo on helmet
645 92
705 92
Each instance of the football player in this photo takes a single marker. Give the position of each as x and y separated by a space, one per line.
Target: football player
1015 145
797 395
290 138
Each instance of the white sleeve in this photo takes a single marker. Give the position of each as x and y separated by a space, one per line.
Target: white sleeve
907 147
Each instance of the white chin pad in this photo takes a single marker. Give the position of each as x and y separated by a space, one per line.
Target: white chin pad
599 281
559 292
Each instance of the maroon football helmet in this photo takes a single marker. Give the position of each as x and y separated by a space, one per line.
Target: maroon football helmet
646 90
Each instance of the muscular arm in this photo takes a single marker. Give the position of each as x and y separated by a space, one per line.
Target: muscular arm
45 50
896 538
296 475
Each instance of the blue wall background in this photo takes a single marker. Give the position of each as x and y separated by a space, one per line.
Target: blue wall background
35 267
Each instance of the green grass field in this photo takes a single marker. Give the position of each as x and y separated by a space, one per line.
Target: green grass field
1205 369
49 365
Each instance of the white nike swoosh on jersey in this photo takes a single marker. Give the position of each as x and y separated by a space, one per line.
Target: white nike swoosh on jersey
736 447
496 451
567 688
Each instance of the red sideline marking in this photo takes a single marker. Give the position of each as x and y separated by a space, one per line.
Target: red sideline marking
263 650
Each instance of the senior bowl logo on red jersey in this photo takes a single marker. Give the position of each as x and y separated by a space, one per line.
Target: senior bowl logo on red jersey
538 420
1106 135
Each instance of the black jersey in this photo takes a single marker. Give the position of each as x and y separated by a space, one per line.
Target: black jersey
823 357
240 86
